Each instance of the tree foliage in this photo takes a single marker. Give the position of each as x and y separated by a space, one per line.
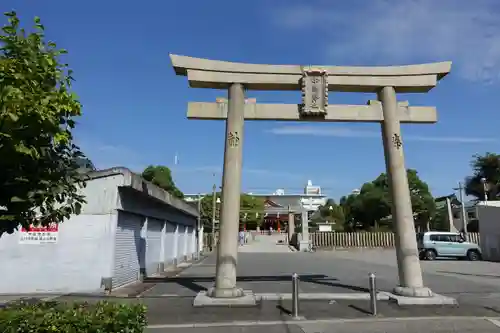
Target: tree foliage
372 206
38 171
485 167
161 176
331 212
251 210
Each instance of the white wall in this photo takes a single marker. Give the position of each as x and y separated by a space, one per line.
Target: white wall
80 258
489 229
77 262
84 253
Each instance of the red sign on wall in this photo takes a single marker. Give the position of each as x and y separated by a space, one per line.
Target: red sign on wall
39 234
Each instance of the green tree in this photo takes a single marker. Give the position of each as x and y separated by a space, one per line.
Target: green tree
346 203
85 165
331 212
162 177
251 210
38 166
422 201
485 167
372 206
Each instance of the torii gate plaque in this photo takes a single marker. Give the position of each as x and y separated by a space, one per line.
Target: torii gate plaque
315 82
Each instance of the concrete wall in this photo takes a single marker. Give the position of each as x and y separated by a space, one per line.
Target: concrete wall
83 259
77 261
489 229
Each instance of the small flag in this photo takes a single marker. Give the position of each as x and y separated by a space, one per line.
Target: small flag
176 159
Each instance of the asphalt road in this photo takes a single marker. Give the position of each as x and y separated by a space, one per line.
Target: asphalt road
339 272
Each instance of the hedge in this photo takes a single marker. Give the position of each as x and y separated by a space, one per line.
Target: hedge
101 317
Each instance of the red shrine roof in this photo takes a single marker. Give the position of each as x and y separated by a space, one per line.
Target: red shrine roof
268 203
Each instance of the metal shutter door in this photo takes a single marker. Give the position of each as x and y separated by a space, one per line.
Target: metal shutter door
170 243
128 248
180 243
189 241
153 245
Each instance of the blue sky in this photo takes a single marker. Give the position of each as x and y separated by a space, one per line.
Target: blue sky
135 107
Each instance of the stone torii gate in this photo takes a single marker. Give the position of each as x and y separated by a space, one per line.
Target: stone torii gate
314 82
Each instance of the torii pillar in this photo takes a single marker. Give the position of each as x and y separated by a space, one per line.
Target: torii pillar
315 83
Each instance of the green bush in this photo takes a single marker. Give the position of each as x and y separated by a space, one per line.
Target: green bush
102 317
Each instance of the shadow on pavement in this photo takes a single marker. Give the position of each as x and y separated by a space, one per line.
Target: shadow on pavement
471 274
194 283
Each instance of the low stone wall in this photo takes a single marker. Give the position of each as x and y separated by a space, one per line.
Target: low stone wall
362 239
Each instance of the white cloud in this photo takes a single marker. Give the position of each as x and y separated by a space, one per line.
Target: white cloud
406 31
344 132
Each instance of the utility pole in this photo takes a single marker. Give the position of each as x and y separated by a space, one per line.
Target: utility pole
198 229
214 208
460 190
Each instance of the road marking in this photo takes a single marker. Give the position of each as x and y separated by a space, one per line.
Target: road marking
318 321
495 322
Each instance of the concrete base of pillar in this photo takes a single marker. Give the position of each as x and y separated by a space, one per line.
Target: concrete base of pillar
304 246
245 298
225 293
435 299
413 292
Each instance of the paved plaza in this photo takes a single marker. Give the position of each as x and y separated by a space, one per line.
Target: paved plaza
415 325
265 267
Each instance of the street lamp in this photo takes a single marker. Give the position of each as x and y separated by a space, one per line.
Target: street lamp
485 189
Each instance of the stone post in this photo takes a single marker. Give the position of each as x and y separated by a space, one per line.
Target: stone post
410 273
291 227
304 241
225 279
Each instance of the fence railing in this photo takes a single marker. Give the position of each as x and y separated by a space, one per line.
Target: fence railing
362 239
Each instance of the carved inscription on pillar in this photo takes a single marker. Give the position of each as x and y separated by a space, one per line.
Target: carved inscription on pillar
233 139
314 92
396 141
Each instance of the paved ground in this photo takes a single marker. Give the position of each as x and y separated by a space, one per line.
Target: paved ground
266 267
266 244
456 325
179 310
337 272
469 282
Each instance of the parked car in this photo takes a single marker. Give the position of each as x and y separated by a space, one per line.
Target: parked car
434 244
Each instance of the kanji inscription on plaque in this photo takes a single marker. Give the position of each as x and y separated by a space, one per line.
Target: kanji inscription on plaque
233 139
396 141
314 92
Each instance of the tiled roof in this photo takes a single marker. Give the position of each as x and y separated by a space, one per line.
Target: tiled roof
282 203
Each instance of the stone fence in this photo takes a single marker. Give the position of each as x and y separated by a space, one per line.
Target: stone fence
362 239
